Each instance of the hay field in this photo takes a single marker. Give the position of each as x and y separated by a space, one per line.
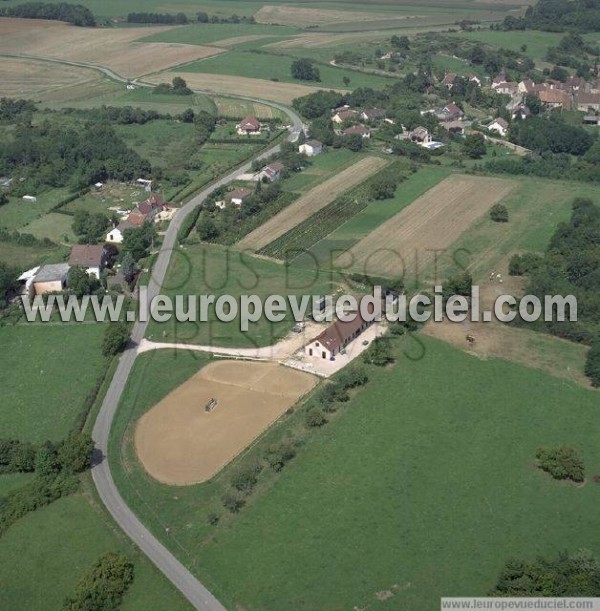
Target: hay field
231 107
114 48
302 17
44 80
407 243
179 443
312 202
238 85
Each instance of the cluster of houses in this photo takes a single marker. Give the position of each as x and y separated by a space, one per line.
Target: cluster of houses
146 212
355 120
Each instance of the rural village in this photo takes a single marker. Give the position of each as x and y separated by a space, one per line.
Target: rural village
297 149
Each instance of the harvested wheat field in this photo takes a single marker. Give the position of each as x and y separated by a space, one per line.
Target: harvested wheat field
310 203
232 107
239 85
114 48
406 245
44 80
302 17
180 443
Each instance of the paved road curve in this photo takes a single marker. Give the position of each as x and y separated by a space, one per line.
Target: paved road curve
178 575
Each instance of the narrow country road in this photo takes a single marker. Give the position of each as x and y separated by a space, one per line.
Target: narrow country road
175 571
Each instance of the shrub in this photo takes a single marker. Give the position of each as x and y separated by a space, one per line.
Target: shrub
115 339
246 477
353 377
233 502
277 456
315 418
16 456
379 353
520 265
499 213
212 519
592 364
102 588
561 463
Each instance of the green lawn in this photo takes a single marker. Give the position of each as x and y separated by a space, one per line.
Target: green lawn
12 481
269 66
26 257
45 554
215 270
18 213
321 168
54 226
46 370
422 485
535 208
376 213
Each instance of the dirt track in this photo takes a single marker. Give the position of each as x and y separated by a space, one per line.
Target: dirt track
312 202
406 245
179 443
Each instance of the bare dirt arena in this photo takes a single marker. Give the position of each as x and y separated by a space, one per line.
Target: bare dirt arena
180 443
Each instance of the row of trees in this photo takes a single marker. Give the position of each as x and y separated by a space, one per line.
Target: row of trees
167 18
558 16
63 11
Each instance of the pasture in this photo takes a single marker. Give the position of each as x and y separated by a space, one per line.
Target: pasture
54 226
115 48
18 212
266 65
30 256
57 545
46 371
205 269
397 442
313 201
180 443
407 243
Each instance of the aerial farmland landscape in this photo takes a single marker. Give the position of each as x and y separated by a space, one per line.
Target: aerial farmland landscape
299 305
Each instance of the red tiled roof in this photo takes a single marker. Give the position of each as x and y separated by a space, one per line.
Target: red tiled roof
86 256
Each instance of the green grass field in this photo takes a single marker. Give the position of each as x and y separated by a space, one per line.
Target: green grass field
345 236
25 257
423 485
277 67
18 213
55 546
535 208
46 371
215 270
54 226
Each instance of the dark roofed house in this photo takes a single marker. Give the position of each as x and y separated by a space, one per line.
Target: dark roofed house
347 114
449 79
336 337
359 130
50 278
91 258
271 172
248 126
238 196
450 112
372 114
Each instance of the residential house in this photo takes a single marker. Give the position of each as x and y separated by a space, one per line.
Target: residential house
450 112
473 78
455 127
448 80
499 125
499 81
311 148
346 114
250 126
420 135
115 235
588 101
372 114
271 172
357 130
591 120
555 98
526 87
521 112
335 338
151 207
238 196
91 258
50 279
